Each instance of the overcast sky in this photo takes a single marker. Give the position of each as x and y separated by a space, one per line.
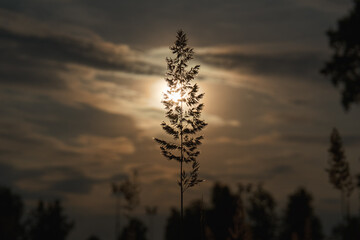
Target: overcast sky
80 92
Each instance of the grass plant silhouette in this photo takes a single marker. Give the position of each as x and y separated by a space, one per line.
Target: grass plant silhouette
339 172
128 189
183 109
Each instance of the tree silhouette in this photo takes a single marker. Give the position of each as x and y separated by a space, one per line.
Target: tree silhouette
172 229
135 230
344 67
93 237
339 173
192 223
262 215
219 222
11 212
151 211
48 221
299 221
224 209
183 109
128 189
348 230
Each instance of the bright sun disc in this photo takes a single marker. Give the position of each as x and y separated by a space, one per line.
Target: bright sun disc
175 96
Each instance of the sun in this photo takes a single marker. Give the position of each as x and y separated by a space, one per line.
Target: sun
174 96
159 88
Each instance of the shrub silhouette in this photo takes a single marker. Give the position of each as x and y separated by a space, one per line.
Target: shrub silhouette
135 230
299 221
47 221
262 215
11 212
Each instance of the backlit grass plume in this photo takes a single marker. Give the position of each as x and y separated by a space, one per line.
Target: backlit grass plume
183 106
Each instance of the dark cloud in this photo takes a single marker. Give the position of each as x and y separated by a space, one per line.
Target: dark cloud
209 22
7 175
118 177
279 170
19 71
71 180
61 63
37 57
292 65
68 49
301 102
330 201
68 122
74 184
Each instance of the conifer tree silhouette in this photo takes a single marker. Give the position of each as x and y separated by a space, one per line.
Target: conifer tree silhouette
11 213
299 220
183 109
343 69
339 172
128 189
262 214
48 221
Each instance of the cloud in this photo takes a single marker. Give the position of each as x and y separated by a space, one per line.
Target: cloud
277 138
279 118
221 122
51 181
293 65
69 122
41 56
335 6
279 170
50 134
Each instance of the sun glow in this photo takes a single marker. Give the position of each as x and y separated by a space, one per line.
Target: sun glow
160 88
174 96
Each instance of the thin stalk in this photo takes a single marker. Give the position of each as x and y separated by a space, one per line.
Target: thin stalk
117 220
348 210
343 204
181 168
359 204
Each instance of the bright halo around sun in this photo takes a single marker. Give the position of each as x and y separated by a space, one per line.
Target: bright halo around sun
174 96
159 88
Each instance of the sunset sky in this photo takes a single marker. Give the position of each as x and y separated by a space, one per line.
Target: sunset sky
80 92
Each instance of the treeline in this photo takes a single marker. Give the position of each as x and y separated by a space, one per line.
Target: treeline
46 221
251 213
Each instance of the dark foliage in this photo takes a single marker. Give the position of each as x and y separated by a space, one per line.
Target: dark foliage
299 221
151 211
339 173
192 223
249 214
135 230
224 219
11 212
129 189
344 67
172 229
220 216
348 230
47 221
93 237
262 215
